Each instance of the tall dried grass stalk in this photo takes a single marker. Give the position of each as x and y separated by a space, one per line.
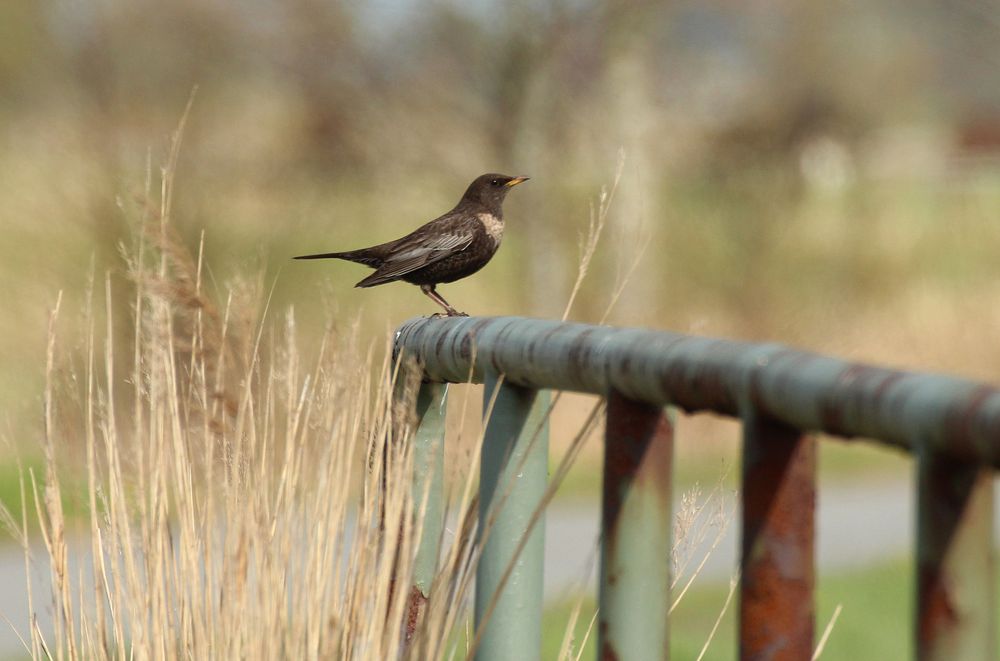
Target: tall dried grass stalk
242 541
595 228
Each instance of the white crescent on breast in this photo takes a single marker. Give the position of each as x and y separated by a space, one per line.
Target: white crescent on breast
492 224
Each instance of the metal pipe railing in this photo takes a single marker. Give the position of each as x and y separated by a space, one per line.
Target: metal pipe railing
951 425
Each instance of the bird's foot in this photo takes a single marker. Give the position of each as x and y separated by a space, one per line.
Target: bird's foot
450 313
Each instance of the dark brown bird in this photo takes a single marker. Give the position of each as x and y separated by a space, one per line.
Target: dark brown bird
448 248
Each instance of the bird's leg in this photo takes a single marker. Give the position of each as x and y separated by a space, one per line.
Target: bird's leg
437 298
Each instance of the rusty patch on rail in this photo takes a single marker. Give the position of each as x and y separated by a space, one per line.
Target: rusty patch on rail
953 538
608 652
465 348
937 612
831 412
852 392
779 491
503 332
578 354
700 388
638 447
958 429
439 345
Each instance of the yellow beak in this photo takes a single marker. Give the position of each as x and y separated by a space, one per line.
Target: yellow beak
516 180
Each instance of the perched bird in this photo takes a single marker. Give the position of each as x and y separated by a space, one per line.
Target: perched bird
448 248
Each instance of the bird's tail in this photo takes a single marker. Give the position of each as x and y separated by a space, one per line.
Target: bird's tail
363 256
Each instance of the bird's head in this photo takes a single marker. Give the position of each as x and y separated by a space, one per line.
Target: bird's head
489 190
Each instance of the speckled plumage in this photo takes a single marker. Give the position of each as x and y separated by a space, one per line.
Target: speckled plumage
448 248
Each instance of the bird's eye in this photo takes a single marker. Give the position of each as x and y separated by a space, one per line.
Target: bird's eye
495 182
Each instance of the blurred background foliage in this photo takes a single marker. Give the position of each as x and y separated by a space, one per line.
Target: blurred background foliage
825 175
821 174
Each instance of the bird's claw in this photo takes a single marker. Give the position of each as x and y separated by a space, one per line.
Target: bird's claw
449 313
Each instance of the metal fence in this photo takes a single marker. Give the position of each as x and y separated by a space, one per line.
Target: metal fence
782 396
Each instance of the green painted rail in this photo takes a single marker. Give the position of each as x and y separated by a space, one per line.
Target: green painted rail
783 396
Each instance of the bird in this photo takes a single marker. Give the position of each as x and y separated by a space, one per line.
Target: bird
450 247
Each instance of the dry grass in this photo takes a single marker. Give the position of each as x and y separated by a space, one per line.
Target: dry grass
219 533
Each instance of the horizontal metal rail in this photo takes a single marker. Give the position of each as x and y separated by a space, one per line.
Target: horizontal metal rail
807 391
951 425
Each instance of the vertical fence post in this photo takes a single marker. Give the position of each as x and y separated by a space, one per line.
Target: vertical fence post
956 608
636 522
428 492
512 482
777 558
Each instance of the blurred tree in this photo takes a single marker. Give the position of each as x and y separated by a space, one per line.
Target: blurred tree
333 77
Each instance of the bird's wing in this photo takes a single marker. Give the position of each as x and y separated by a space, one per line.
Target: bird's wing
418 250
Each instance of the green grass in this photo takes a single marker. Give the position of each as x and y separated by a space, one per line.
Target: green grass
10 490
73 491
874 623
554 623
846 461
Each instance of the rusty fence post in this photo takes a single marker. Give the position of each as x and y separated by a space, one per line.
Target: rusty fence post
777 557
512 480
636 522
955 605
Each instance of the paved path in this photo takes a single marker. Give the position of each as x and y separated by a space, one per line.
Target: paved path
857 525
